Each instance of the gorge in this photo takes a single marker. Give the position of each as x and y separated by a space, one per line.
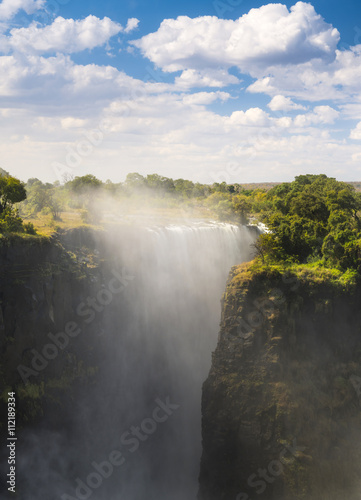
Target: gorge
108 338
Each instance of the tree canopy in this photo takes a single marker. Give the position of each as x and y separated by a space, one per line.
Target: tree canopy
314 217
11 191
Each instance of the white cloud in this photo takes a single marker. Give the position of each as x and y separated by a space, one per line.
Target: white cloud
70 122
284 122
266 36
356 132
291 53
252 117
351 110
132 24
316 80
191 78
61 84
8 8
321 115
64 35
203 98
172 135
282 103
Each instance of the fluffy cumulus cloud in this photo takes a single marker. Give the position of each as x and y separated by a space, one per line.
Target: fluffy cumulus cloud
291 54
63 35
264 37
356 132
321 115
132 24
8 8
253 117
35 81
315 80
282 103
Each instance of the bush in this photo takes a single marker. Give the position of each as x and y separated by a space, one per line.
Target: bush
10 222
29 228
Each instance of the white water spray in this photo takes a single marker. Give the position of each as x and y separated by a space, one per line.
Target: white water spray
158 342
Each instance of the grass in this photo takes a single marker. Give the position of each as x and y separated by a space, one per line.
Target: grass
315 272
47 226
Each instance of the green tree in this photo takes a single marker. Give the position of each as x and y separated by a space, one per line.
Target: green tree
42 198
11 191
87 190
84 184
134 181
242 206
160 184
315 217
184 187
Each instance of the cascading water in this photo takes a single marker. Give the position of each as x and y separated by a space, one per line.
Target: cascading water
157 340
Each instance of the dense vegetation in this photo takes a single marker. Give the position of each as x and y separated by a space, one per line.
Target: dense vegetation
94 200
314 219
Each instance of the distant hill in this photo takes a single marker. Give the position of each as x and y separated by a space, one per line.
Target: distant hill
261 185
269 185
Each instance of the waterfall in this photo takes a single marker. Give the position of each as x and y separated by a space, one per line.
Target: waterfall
155 352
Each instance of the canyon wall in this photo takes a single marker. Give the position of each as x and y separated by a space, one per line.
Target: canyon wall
281 407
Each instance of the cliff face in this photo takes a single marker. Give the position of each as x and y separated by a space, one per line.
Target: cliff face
47 350
281 408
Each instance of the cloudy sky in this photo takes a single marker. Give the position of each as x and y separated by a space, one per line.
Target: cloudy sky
224 90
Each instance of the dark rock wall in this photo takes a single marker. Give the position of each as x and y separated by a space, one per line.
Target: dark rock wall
281 409
42 282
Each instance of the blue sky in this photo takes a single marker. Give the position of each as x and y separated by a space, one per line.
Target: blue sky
233 90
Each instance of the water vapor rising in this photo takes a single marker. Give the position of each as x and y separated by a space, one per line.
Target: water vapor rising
134 432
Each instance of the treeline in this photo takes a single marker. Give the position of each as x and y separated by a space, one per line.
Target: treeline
314 219
92 197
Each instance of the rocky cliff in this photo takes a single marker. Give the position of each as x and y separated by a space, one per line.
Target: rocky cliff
50 349
281 407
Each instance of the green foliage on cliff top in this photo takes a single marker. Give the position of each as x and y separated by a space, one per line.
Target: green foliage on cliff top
16 238
313 219
292 277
